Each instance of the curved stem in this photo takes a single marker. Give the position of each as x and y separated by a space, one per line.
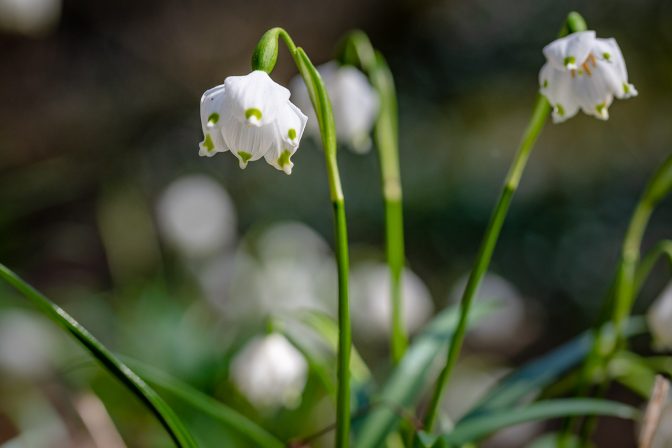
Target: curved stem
573 23
359 51
112 364
264 58
630 275
539 116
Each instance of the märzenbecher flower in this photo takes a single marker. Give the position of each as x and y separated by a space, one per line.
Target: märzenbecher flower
583 72
354 101
252 117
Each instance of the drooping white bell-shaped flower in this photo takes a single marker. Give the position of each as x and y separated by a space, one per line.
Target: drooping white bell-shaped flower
252 117
196 216
659 319
371 304
354 103
583 72
270 372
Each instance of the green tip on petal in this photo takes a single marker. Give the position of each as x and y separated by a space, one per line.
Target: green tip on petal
291 134
244 156
560 110
569 60
209 145
284 162
602 110
606 56
213 118
253 112
626 88
545 84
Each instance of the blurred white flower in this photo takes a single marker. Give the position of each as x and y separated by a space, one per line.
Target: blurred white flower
252 117
472 379
30 17
371 301
584 72
506 329
26 344
287 268
270 372
659 318
355 104
196 216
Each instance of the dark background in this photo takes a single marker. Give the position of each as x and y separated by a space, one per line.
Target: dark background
107 99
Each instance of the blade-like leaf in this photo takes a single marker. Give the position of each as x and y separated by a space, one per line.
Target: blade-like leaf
197 399
479 427
133 382
405 384
327 328
541 372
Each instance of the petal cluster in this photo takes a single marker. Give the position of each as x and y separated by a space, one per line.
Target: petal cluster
252 117
583 72
354 102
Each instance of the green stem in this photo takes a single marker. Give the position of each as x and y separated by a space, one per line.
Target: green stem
112 364
539 116
264 58
357 50
573 23
630 275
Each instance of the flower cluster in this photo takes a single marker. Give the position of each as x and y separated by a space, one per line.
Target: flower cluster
252 117
584 72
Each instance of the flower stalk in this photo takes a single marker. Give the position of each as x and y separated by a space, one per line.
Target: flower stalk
357 50
630 276
264 58
542 109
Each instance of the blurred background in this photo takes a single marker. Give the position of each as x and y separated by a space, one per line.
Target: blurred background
180 261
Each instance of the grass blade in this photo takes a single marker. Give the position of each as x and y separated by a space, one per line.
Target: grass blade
198 400
541 372
479 427
113 365
406 382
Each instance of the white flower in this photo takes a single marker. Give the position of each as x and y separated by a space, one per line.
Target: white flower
354 102
583 72
509 327
270 372
371 303
252 117
27 344
659 318
196 215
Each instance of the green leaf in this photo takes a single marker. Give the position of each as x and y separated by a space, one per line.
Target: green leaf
538 374
320 367
113 365
327 328
479 427
633 372
224 414
406 382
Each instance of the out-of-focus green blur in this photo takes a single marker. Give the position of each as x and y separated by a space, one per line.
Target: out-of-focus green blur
99 132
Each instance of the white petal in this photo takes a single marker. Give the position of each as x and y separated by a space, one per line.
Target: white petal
557 86
569 52
248 143
289 128
355 105
593 94
290 123
254 98
609 54
211 106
